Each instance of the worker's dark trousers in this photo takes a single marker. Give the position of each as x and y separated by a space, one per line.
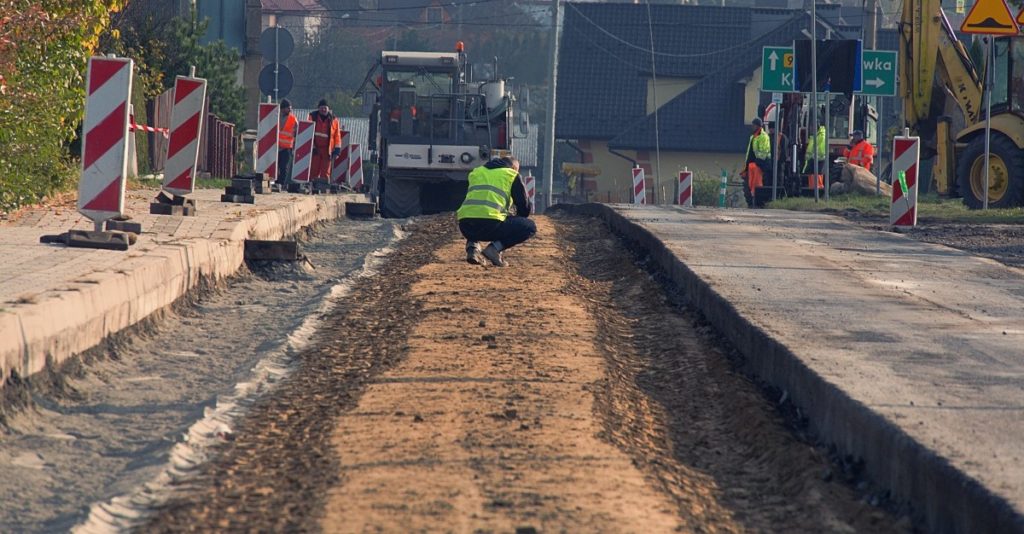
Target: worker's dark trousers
510 232
284 166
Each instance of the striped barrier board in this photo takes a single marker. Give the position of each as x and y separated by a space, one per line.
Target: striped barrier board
685 188
639 186
267 139
531 187
339 167
303 152
906 158
105 138
355 169
183 147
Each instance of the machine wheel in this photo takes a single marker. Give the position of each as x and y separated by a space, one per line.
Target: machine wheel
1006 173
401 198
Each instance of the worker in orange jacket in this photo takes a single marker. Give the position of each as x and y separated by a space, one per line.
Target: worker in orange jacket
860 152
326 141
288 130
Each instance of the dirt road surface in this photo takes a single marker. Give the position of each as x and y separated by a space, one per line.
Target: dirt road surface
566 393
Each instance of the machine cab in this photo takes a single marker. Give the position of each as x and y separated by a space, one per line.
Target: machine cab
417 96
1008 75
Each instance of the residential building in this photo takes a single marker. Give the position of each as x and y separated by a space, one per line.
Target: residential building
707 67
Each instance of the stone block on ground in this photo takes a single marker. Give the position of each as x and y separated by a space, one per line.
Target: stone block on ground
859 180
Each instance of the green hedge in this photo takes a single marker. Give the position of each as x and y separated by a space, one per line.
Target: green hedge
44 47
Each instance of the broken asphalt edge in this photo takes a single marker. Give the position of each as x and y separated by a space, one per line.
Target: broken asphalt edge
944 498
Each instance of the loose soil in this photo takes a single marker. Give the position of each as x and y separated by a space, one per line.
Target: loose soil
1000 242
565 393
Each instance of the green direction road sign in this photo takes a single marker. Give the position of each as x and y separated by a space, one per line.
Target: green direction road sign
777 69
880 68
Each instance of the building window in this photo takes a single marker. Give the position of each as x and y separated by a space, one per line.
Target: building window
435 15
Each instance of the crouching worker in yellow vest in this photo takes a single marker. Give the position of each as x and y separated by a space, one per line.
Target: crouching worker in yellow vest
494 189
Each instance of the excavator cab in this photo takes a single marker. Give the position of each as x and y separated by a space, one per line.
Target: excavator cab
1008 75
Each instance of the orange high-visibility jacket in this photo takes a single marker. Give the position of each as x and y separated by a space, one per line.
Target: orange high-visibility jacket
290 129
326 131
861 154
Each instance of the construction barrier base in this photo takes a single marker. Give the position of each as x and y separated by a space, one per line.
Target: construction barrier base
238 199
341 188
165 204
114 225
298 187
262 187
360 210
92 239
157 208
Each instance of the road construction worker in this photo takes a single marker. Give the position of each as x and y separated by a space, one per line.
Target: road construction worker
495 188
860 152
758 159
817 148
288 129
326 141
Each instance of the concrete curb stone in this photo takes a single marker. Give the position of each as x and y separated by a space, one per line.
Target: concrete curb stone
67 318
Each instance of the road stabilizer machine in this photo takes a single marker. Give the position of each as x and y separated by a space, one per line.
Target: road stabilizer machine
431 123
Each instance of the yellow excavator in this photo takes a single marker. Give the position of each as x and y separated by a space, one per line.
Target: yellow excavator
937 75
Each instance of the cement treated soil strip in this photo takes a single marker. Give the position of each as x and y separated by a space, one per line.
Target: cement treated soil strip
905 354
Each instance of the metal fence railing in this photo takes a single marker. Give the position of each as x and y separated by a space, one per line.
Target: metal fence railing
217 142
221 147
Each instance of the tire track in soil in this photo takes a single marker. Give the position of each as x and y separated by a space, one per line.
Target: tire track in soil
273 475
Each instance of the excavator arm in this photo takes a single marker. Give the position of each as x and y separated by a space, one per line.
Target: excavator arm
934 65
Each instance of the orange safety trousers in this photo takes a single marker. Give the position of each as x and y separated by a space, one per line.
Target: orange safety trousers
320 165
755 177
810 181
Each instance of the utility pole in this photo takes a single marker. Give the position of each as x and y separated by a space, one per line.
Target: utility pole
871 24
549 138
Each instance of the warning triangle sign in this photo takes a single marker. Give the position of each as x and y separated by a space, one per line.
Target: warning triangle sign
991 17
1020 17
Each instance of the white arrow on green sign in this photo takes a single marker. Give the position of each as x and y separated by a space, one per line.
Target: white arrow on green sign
880 68
777 69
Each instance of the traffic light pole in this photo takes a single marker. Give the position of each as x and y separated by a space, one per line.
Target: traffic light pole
813 130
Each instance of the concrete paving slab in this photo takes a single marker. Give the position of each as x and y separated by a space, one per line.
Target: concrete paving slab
906 354
56 302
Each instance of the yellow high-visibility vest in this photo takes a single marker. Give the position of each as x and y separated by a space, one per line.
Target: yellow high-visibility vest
761 145
489 195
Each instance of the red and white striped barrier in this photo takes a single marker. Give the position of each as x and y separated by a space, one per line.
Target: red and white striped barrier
906 158
531 186
303 152
355 168
266 140
105 138
339 167
183 148
685 188
639 186
143 128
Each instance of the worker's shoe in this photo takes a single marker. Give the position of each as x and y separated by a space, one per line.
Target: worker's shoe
494 255
473 255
